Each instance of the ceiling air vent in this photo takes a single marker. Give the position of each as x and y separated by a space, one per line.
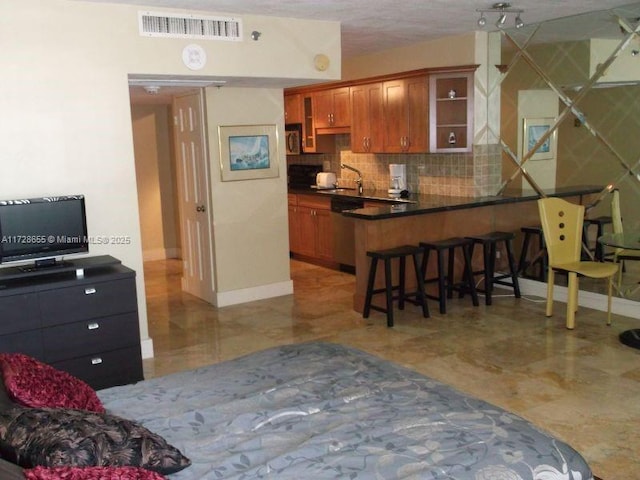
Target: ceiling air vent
189 26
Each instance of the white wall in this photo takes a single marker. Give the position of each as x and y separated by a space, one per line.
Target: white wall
66 124
253 261
155 180
441 52
538 104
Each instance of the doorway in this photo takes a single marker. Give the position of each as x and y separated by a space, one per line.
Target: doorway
160 191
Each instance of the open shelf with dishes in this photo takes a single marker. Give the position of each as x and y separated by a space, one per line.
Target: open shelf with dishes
451 112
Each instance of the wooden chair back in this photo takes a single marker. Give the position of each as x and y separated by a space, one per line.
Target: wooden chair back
562 228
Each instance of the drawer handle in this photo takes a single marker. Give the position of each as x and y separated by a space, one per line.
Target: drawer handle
89 291
96 361
93 326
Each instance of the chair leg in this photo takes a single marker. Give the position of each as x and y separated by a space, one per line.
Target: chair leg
441 282
389 291
550 279
571 300
468 274
421 296
512 269
370 285
488 272
609 300
401 280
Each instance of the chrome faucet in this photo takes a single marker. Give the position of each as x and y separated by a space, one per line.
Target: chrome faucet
357 180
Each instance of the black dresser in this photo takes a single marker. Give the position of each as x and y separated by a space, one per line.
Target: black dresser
86 324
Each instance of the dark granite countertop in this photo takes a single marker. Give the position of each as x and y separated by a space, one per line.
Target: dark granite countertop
425 204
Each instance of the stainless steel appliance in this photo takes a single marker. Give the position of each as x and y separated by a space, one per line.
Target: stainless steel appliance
293 138
344 243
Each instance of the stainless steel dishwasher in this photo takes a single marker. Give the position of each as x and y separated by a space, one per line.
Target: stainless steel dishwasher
344 246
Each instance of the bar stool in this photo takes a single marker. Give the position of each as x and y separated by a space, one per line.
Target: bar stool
599 222
401 253
446 284
489 243
539 259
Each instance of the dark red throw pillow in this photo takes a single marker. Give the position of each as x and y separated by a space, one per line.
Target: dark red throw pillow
35 384
91 473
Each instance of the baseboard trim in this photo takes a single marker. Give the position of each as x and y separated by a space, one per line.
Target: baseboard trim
596 301
235 297
146 346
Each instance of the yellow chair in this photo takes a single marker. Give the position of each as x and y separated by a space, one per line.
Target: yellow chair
562 228
620 254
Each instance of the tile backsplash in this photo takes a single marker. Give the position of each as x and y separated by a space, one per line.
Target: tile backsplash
473 174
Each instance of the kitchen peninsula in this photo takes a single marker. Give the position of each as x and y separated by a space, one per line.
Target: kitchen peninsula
432 217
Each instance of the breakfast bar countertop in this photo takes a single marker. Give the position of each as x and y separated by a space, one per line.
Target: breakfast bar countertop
425 204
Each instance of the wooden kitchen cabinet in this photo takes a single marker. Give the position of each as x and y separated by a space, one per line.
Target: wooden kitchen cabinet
294 224
293 108
311 224
331 110
406 115
451 114
367 120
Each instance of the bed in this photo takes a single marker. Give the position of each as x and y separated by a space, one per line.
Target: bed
320 410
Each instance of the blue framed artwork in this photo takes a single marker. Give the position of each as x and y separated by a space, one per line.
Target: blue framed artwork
248 152
534 130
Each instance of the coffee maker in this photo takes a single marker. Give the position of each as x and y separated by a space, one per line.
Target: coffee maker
397 179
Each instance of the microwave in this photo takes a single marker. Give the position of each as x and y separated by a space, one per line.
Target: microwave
293 138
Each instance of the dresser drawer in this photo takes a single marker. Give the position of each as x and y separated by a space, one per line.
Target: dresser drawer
88 336
29 343
19 313
106 369
89 300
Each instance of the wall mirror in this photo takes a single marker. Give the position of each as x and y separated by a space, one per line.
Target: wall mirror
571 87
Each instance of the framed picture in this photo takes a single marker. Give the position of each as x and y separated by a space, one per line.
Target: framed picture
534 129
248 152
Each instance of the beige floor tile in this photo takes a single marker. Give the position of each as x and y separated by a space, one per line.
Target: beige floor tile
582 385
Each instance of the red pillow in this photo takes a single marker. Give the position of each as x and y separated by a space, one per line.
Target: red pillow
91 473
34 384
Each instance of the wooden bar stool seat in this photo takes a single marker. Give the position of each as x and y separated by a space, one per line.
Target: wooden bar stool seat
539 258
489 244
445 279
387 256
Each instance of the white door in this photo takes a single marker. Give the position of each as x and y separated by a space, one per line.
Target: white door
194 195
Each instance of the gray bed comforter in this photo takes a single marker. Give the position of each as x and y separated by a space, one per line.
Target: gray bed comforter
319 410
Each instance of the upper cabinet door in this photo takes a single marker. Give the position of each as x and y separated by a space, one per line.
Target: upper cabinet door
331 108
406 113
293 108
367 128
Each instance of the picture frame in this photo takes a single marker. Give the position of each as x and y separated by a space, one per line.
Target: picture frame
248 152
533 130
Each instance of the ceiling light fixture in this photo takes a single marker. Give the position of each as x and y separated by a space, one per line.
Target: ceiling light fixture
501 8
151 89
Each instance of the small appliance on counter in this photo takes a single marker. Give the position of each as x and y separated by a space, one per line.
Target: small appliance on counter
326 180
397 179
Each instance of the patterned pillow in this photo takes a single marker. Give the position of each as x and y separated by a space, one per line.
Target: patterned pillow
58 437
34 384
91 473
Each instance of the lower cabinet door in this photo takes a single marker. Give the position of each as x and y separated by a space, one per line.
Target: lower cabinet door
106 369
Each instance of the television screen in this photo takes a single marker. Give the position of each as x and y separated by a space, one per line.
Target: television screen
39 228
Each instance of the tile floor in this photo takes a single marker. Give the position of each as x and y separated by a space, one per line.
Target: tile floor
582 385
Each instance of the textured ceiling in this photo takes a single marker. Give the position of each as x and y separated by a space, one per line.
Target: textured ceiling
373 25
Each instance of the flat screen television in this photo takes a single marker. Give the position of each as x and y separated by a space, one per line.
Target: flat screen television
42 229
